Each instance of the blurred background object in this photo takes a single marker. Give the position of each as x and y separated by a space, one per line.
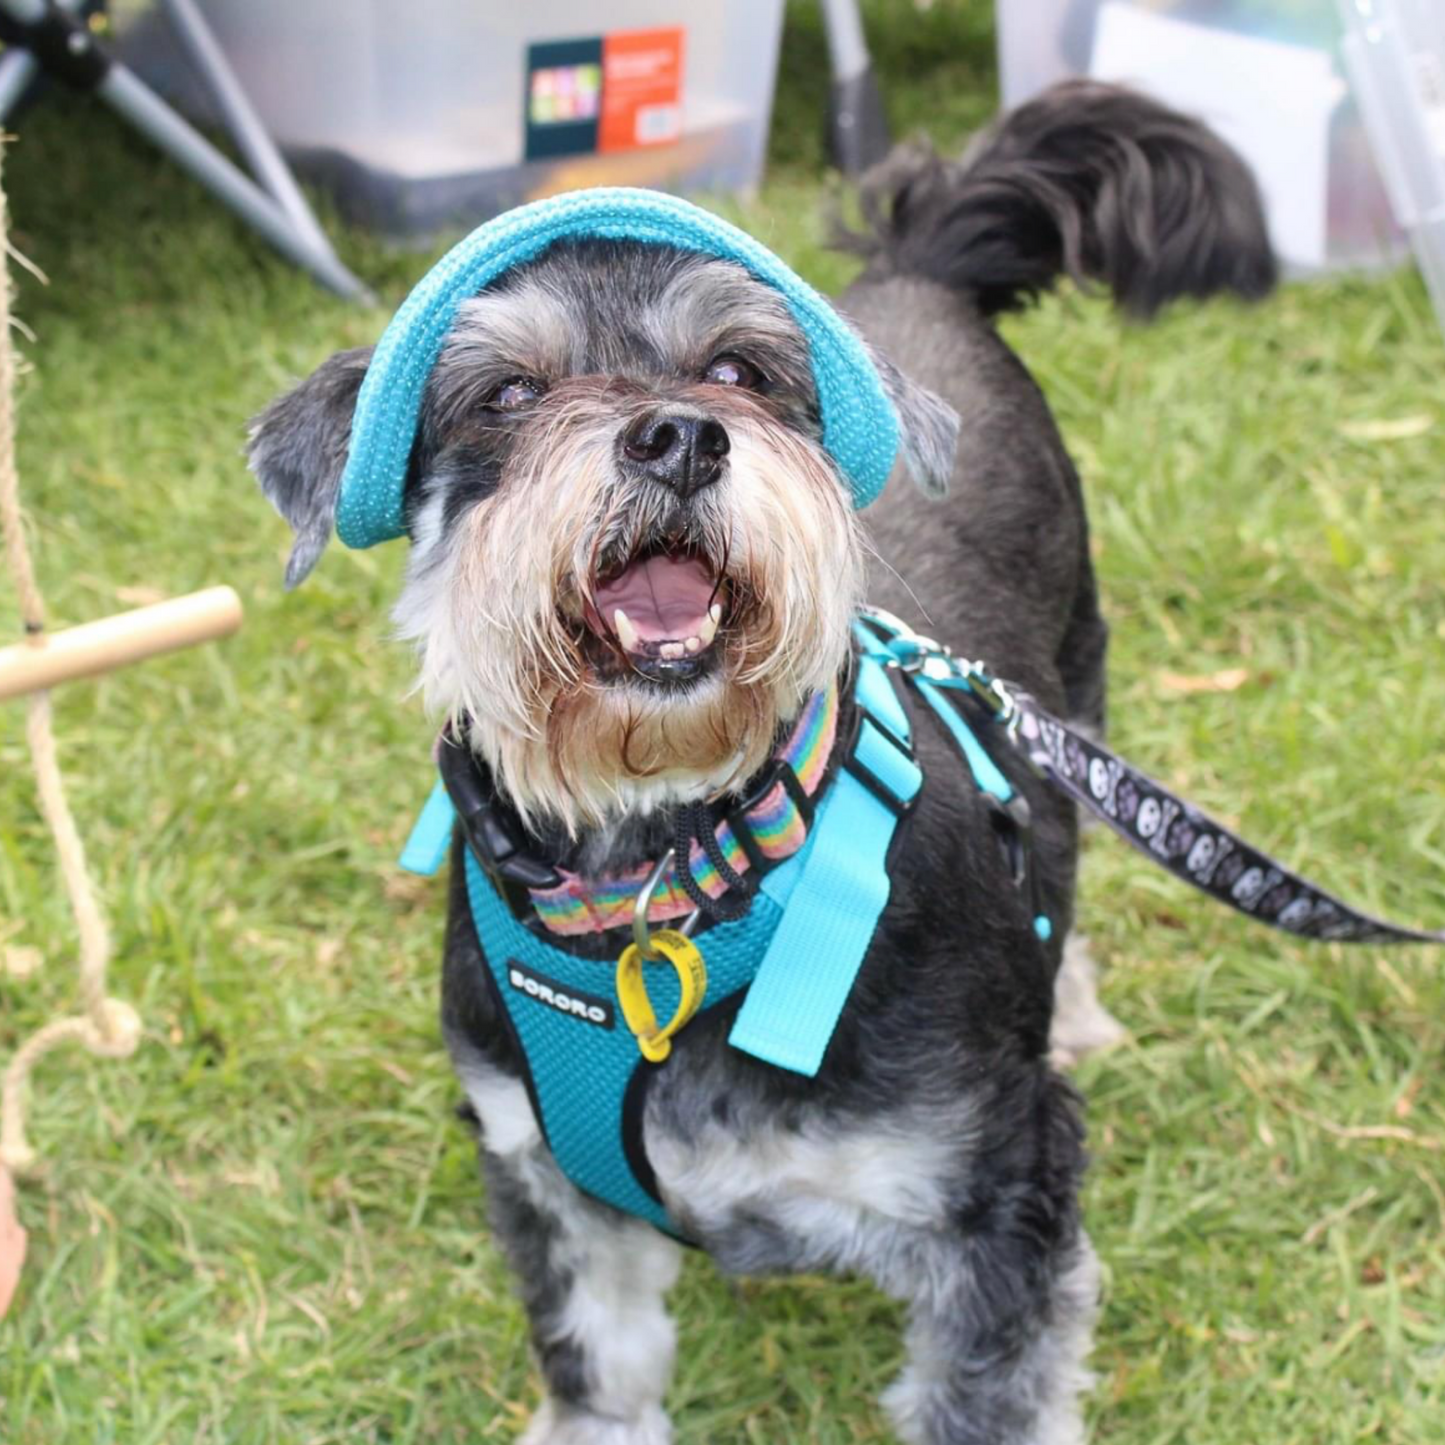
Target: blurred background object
439 113
1267 74
59 40
1394 52
424 119
857 126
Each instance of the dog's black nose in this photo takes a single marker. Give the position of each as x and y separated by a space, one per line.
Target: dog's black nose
681 449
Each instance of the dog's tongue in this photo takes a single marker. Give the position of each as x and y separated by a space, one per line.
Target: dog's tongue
665 598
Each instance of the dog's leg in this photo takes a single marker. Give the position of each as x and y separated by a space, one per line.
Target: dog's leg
1082 1025
996 1350
967 1213
592 1281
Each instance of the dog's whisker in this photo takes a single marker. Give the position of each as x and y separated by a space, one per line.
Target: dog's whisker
898 577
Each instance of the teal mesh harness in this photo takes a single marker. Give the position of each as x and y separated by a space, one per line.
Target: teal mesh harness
793 956
582 1071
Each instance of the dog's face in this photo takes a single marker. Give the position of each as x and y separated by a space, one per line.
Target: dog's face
632 557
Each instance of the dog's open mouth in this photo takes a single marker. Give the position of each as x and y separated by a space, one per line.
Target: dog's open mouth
663 610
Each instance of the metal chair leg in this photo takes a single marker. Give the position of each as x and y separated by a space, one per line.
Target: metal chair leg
239 116
149 114
17 69
857 126
61 44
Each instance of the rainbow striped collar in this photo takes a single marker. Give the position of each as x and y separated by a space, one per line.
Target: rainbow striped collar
776 826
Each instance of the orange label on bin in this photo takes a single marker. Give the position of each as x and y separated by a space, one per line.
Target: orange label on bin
641 89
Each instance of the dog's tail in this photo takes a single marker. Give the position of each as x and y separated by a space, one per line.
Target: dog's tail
1092 181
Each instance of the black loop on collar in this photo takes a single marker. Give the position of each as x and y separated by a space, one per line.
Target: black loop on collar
695 820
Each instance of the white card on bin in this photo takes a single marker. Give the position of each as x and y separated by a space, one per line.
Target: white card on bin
1271 101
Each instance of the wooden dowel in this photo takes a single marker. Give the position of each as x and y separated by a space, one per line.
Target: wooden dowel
112 642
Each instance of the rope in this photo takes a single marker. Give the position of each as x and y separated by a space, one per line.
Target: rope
106 1026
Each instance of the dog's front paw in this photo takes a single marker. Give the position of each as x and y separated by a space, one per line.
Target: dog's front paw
552 1425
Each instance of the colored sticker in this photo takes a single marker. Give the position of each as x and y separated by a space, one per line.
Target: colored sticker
641 89
563 97
606 93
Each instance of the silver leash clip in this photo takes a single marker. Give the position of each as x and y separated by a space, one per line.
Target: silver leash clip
911 651
641 931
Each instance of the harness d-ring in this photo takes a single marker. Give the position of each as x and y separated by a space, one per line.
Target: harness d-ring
669 945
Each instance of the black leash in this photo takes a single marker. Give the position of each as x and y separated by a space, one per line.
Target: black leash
1180 838
1166 828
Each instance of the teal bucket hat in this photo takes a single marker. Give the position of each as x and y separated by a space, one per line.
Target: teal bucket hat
860 428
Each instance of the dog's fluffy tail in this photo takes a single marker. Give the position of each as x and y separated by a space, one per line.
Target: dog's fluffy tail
1089 180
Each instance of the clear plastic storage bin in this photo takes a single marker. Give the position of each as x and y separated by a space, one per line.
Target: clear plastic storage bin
1395 53
436 113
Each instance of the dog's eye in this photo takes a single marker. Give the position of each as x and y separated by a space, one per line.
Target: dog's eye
512 395
734 371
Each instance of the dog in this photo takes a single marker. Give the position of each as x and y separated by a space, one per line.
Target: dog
632 565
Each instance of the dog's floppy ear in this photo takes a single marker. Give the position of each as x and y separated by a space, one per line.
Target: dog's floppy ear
297 449
927 425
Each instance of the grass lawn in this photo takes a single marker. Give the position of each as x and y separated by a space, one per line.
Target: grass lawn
266 1225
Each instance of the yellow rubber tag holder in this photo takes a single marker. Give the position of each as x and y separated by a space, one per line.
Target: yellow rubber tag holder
686 959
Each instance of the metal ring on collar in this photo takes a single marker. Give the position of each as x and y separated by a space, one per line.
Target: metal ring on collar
641 936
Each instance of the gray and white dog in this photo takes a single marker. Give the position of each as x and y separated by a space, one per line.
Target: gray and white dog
611 403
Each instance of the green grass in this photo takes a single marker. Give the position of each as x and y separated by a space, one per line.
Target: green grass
265 1226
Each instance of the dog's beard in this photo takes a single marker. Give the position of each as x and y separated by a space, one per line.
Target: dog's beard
497 605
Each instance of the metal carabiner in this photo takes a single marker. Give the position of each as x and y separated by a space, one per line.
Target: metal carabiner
990 691
910 650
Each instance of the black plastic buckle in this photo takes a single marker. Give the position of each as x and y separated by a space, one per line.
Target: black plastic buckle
778 771
1013 826
489 834
900 807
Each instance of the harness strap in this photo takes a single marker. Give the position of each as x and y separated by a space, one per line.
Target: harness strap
900 650
873 692
431 834
986 773
932 672
803 982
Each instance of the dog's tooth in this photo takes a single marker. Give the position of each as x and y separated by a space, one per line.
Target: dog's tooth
626 632
693 644
671 651
708 630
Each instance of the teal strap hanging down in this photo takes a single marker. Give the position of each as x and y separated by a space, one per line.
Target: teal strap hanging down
986 772
431 834
804 980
